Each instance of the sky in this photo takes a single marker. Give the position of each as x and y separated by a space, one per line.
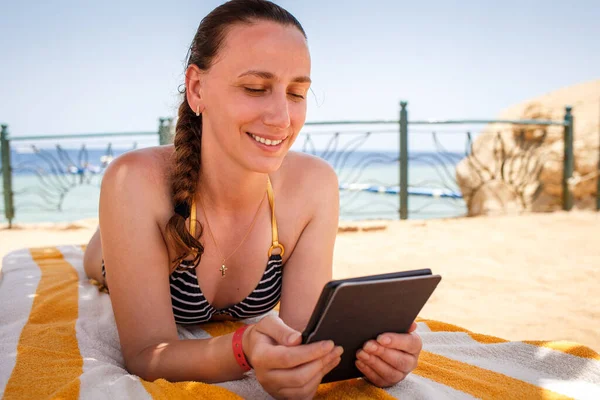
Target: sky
115 66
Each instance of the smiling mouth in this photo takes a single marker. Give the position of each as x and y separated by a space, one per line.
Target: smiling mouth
267 142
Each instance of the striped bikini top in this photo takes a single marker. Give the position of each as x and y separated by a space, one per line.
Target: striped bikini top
191 307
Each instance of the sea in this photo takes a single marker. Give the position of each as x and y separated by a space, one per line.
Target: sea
59 183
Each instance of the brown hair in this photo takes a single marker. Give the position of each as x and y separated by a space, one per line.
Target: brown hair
188 132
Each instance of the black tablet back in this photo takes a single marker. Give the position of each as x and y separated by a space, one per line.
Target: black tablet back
360 310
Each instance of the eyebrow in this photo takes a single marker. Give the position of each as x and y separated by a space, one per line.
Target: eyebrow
268 75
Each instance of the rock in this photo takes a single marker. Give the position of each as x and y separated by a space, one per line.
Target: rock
514 168
495 197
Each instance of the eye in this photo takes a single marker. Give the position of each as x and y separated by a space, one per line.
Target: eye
255 91
298 96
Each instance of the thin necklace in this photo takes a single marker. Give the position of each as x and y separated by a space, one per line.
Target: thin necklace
223 267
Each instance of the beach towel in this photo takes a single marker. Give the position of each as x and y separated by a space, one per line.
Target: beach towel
58 340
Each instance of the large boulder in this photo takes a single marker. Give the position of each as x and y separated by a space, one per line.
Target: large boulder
515 168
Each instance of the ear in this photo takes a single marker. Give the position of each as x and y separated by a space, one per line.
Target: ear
193 84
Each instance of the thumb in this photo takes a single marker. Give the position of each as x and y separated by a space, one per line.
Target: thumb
274 327
413 327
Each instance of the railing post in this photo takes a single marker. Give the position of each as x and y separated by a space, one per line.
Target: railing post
164 130
403 160
161 134
568 160
9 210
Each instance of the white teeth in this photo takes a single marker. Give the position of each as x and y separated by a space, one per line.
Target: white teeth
268 142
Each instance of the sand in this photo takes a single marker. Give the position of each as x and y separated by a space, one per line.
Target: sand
527 277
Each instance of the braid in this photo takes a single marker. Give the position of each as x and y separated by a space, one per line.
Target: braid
184 178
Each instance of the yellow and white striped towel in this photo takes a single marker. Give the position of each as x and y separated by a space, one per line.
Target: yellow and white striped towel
58 340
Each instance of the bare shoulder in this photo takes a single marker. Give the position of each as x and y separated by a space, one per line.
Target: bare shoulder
142 173
149 163
308 174
308 181
308 167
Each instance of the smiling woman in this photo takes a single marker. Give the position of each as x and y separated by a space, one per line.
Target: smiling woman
243 105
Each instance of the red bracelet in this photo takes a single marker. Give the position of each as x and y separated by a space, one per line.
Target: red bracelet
238 351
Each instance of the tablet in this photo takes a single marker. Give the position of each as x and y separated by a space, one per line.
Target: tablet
353 311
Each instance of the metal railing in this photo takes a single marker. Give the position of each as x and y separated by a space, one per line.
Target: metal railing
346 157
58 173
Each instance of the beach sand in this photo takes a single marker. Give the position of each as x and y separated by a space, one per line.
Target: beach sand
527 277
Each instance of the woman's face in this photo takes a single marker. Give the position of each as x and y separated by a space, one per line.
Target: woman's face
254 94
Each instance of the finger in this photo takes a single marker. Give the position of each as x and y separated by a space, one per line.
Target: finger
386 371
327 367
408 342
318 377
413 327
274 327
308 390
314 370
399 360
371 375
290 357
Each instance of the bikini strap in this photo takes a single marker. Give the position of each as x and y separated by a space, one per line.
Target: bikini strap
271 197
193 218
276 243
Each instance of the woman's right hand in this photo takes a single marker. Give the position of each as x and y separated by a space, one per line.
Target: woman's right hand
285 367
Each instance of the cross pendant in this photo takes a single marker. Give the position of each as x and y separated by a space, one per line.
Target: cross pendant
223 269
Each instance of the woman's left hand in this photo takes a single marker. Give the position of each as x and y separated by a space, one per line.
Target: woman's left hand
389 359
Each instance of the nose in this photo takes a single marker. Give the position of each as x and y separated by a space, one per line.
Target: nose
277 114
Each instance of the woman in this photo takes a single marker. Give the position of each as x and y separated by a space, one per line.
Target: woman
187 229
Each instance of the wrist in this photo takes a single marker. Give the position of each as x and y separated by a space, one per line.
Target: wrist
237 344
246 344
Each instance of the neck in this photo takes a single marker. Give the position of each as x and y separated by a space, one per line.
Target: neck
228 188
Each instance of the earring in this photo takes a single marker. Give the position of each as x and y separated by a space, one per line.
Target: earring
198 110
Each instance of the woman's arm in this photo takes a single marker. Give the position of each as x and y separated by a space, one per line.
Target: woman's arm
309 267
137 272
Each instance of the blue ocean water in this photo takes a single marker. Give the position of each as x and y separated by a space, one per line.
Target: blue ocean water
63 184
